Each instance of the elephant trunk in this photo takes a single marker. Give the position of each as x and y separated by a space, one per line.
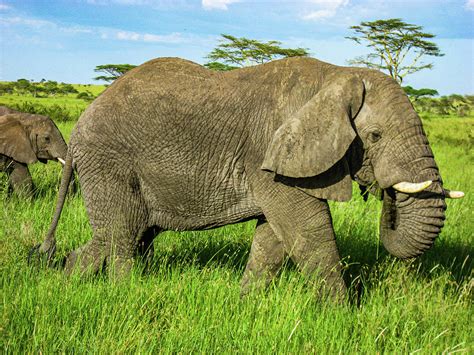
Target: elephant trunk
413 216
62 150
58 150
410 224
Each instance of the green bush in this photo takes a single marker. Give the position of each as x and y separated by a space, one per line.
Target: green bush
86 96
452 105
58 113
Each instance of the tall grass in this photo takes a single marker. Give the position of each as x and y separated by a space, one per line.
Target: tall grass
187 300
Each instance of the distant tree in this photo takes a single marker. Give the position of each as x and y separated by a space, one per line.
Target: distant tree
443 106
394 43
6 88
415 94
67 89
235 52
23 86
51 87
112 71
219 66
86 96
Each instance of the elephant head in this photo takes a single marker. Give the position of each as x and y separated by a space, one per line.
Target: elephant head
27 138
362 126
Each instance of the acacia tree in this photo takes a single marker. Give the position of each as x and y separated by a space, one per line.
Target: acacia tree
234 52
416 94
112 71
397 47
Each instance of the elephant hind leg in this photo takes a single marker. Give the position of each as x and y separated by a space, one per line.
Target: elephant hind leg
88 259
266 258
119 219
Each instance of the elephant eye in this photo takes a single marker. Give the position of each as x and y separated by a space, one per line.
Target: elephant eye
375 136
47 139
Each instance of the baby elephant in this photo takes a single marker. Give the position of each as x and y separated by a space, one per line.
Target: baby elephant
24 139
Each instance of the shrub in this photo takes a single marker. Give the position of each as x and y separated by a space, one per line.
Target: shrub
58 113
86 96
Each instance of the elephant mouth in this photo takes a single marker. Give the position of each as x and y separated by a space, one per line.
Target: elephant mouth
42 160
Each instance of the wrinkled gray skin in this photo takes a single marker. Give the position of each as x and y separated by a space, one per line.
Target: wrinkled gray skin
25 139
174 146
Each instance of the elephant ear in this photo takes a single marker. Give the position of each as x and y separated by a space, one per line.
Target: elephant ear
14 142
313 142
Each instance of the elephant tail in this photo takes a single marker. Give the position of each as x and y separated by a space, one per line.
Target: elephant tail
48 247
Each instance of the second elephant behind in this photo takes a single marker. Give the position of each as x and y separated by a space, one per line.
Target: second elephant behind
26 139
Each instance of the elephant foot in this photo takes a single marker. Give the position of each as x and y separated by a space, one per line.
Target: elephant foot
41 258
331 290
254 285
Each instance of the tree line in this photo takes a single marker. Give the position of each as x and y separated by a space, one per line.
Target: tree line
457 105
43 88
395 47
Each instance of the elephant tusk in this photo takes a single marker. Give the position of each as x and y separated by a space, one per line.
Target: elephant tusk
453 194
62 161
410 187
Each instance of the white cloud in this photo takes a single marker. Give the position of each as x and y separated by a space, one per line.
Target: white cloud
26 22
469 5
127 36
326 9
146 37
330 3
5 7
217 4
319 14
41 27
151 3
171 38
119 2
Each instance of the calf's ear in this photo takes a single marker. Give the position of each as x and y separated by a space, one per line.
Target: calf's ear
318 135
15 143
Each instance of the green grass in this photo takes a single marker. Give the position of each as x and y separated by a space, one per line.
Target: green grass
59 108
188 299
94 89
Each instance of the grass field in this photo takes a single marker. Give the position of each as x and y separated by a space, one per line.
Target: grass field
188 299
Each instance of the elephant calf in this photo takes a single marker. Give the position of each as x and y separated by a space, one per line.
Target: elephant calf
25 139
172 145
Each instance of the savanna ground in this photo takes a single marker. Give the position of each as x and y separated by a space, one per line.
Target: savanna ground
187 300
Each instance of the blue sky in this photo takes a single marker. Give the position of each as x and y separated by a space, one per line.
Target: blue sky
64 40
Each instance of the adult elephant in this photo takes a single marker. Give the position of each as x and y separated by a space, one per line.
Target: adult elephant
25 139
174 146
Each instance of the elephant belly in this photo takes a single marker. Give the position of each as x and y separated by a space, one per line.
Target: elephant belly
186 198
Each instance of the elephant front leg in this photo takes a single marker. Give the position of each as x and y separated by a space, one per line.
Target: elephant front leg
315 252
266 258
20 180
303 223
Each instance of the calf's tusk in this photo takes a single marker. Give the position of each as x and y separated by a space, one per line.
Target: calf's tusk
453 194
410 187
62 161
